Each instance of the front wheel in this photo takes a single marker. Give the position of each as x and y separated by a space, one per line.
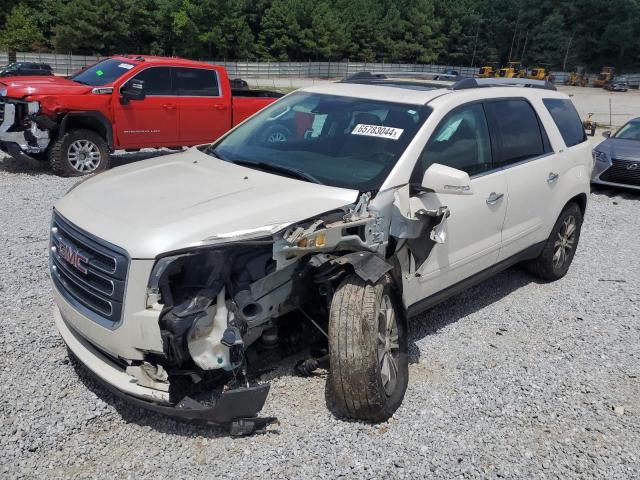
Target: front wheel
79 152
368 350
557 255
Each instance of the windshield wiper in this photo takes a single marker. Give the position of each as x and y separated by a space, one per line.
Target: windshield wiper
278 169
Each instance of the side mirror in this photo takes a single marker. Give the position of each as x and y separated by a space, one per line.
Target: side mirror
606 134
442 179
132 90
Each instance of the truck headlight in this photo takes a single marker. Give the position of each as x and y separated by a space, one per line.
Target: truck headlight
3 92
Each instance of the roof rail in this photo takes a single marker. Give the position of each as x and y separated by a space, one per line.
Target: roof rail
467 83
372 76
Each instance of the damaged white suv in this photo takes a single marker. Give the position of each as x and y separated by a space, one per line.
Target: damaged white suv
325 220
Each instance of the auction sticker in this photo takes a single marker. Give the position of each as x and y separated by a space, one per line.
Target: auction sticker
378 131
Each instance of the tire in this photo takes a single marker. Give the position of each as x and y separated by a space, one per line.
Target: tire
66 154
356 382
276 134
559 250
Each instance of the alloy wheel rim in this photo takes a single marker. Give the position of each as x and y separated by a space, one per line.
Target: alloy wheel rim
388 345
84 156
565 242
277 137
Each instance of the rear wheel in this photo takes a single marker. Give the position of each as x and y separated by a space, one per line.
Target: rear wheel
368 350
557 255
79 152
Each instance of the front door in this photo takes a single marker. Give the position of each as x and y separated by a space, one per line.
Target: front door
473 229
205 113
152 122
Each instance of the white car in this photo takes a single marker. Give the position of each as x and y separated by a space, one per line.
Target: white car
341 210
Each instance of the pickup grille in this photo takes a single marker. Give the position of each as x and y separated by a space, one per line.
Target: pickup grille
90 273
623 171
1 112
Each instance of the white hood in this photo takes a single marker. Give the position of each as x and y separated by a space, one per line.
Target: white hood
174 202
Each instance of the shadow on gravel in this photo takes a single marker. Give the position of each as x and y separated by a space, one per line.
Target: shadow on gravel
615 192
34 167
464 304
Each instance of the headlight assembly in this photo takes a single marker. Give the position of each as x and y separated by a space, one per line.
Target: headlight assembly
599 156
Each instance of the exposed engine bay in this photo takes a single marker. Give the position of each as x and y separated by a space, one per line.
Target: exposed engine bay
231 310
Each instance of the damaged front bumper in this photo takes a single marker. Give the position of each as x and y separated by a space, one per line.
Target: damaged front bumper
236 408
21 131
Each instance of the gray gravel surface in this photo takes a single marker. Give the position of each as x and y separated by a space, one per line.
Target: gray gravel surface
513 378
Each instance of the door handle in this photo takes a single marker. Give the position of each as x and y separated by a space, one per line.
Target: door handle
220 106
553 177
169 106
494 198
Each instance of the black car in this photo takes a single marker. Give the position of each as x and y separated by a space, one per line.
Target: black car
25 68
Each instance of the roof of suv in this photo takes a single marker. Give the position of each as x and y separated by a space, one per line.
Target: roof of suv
407 94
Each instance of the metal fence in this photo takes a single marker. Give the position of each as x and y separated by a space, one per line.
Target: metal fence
66 64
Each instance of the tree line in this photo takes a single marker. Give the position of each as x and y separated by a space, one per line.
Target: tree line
558 33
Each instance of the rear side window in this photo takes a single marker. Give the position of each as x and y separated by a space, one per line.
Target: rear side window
460 141
567 120
519 131
157 81
193 82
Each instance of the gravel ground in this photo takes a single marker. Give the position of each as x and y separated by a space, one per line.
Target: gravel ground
513 378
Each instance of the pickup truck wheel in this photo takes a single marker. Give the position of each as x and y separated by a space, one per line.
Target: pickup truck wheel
79 152
368 350
557 255
276 134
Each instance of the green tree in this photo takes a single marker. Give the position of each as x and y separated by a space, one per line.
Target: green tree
20 31
279 32
92 26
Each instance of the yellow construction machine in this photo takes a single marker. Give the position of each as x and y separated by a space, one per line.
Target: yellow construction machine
577 78
513 70
540 73
605 77
488 71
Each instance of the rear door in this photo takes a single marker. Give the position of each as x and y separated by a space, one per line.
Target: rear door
531 169
205 112
473 230
152 122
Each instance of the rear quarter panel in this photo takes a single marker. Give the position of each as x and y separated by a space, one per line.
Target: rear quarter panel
575 164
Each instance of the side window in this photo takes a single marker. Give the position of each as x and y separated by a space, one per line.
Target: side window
567 120
157 81
519 130
460 141
194 82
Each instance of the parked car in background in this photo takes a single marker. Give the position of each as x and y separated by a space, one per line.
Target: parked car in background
386 196
22 69
620 84
617 159
122 102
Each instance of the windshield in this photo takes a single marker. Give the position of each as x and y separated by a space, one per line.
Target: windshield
631 131
102 72
338 141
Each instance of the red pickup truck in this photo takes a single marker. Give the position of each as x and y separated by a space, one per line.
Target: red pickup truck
122 102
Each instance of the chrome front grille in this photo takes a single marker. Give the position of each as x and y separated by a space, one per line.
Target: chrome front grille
90 273
623 171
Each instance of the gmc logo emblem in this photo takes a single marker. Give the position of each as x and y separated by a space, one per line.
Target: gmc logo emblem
72 256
